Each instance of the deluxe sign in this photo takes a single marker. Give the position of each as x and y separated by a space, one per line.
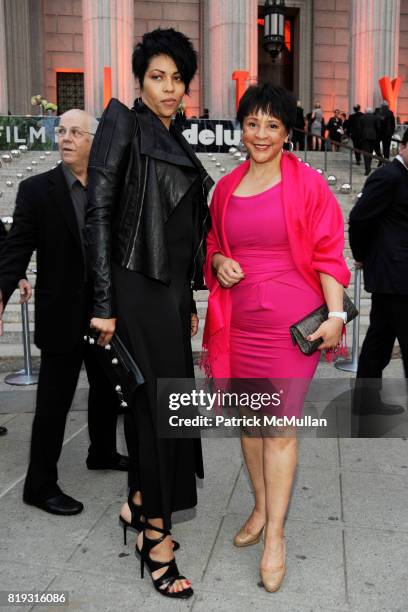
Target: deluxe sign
210 135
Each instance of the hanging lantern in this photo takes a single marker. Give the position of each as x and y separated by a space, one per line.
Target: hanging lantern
274 28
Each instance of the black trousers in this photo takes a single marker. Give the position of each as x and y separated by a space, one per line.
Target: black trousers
357 145
298 138
388 322
58 379
386 146
368 146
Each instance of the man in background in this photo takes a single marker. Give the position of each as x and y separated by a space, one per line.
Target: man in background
378 231
50 218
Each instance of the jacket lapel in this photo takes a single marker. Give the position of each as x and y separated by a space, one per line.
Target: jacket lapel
60 195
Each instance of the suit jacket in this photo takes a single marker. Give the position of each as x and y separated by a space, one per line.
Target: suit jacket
44 220
378 230
354 125
369 126
387 122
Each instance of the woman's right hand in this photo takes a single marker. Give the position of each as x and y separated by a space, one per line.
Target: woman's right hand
229 272
106 329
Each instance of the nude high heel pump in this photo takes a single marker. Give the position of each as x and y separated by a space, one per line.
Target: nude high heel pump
272 579
243 538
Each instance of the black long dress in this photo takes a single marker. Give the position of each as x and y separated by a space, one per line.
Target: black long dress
154 320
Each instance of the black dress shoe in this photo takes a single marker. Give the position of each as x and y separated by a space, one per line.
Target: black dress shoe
60 504
3 431
383 409
120 462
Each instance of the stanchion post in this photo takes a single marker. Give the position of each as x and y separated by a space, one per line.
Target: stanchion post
26 376
351 365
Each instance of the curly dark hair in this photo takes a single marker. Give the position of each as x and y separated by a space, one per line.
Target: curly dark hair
271 100
165 42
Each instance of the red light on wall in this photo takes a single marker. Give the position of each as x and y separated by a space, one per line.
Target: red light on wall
288 35
288 32
107 85
68 70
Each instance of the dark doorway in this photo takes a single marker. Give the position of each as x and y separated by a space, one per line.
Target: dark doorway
284 70
70 91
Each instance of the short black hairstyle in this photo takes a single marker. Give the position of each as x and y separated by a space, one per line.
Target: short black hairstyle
165 42
271 100
404 139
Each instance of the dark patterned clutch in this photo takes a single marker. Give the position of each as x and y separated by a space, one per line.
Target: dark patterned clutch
119 366
308 325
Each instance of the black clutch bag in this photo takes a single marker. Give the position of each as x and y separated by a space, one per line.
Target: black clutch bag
308 325
119 366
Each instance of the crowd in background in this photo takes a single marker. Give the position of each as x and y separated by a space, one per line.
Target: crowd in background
370 131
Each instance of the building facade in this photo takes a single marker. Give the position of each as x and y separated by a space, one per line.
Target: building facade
335 51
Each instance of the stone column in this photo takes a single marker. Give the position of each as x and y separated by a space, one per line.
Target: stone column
108 41
232 45
375 45
37 49
17 29
3 64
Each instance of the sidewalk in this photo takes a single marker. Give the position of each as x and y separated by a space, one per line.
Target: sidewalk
347 527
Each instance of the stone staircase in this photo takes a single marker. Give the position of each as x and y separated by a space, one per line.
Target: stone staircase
17 169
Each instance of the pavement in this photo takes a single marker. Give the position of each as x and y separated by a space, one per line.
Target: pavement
346 531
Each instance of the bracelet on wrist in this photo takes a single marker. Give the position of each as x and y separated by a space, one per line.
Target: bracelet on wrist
340 315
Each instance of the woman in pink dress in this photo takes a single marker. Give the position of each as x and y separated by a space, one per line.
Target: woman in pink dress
274 254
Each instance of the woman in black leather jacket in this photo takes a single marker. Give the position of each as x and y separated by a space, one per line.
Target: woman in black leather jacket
146 226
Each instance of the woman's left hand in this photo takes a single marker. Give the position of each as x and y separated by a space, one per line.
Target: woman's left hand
194 324
330 331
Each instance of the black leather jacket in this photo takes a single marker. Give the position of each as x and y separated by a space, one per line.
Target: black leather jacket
138 172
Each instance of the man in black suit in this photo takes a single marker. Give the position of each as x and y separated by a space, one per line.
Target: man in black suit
379 240
354 130
50 217
24 287
298 138
370 135
3 233
387 129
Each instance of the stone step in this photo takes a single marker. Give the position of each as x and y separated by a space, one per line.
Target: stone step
12 314
16 350
13 333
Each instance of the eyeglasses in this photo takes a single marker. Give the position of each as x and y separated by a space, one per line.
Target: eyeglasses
75 132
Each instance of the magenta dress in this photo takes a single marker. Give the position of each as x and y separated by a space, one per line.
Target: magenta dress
272 296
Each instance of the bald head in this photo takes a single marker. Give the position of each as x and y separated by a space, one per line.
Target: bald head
75 135
80 117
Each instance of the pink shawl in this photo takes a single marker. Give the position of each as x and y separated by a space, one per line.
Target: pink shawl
315 229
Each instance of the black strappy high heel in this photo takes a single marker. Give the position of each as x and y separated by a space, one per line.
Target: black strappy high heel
136 522
164 583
